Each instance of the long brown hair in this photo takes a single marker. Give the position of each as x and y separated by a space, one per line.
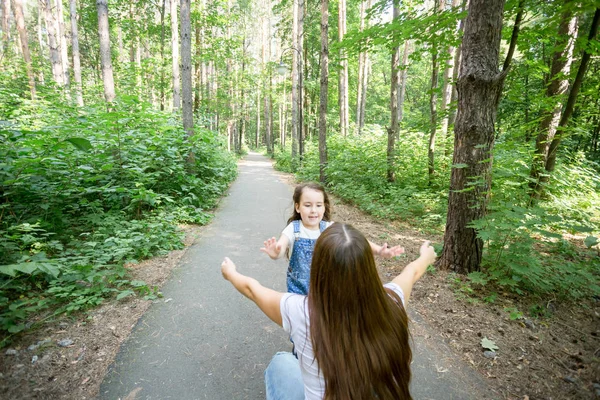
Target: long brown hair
359 330
298 194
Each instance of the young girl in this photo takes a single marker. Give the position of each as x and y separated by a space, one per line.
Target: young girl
310 218
351 331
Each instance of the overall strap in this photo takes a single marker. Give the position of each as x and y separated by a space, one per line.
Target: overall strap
322 225
296 224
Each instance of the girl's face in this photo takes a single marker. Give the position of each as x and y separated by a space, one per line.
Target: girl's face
311 208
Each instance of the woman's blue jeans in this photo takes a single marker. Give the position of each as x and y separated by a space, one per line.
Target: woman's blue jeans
283 378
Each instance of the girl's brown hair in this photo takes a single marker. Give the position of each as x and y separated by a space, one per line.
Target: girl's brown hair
298 194
359 329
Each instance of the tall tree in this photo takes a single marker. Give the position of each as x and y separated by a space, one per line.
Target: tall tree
433 101
53 44
64 56
479 85
20 19
175 56
343 74
186 69
446 84
395 74
105 60
5 24
558 84
75 51
300 59
585 59
296 87
402 88
323 92
363 74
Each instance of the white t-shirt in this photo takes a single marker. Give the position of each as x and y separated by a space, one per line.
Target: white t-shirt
305 233
295 319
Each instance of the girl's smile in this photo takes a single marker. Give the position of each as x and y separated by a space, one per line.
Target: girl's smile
311 208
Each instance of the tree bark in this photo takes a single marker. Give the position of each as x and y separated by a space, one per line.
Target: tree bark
478 86
64 56
551 160
296 119
323 92
343 73
363 74
301 6
57 69
75 50
393 129
198 64
20 19
103 34
556 90
5 24
457 56
162 54
447 85
175 56
186 69
402 89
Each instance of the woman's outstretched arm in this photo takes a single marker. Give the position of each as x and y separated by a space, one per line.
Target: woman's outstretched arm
266 299
413 271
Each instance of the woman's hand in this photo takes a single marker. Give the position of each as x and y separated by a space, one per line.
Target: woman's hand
427 252
227 268
272 248
389 252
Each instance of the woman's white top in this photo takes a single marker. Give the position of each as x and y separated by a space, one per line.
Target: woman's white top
295 318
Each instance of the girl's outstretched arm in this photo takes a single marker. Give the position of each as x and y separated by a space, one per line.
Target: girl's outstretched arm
413 271
275 248
385 251
266 299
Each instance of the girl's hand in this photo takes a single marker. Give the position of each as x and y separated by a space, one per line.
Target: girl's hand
426 251
272 248
389 252
227 268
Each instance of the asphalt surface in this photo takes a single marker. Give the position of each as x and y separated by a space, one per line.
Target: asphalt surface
210 342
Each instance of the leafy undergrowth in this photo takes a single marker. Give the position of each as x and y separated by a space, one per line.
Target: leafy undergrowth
85 191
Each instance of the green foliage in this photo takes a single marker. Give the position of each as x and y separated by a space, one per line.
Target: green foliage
83 192
513 313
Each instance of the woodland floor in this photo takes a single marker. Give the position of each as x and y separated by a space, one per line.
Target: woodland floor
555 357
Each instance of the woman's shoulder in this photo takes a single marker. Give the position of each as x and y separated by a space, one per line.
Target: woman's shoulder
396 289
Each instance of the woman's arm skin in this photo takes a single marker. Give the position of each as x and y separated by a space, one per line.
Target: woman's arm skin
275 248
385 251
266 299
413 271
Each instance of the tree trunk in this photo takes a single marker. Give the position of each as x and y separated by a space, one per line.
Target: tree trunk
64 56
41 43
57 69
186 71
198 64
343 73
323 93
103 34
75 49
5 24
296 119
555 92
363 74
433 106
551 160
447 85
457 57
391 131
162 55
175 56
478 86
402 89
20 19
300 60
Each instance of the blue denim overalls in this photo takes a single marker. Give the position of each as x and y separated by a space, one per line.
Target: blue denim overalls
298 274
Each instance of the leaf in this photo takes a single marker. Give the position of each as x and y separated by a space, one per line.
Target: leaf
460 165
488 344
124 294
591 241
80 143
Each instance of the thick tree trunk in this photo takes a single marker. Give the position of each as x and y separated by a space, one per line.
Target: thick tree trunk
323 93
53 44
555 92
175 56
75 49
478 87
64 56
585 59
20 19
186 69
343 73
103 33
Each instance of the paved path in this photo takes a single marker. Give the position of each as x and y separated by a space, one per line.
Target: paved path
209 342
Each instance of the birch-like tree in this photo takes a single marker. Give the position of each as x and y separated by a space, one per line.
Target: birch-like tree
105 59
175 56
75 51
22 30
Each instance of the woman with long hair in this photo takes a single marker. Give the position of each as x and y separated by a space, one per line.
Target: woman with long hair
351 331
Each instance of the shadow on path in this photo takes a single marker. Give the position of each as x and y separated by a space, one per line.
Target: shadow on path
209 342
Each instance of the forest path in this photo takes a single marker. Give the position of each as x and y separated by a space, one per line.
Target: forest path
209 342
